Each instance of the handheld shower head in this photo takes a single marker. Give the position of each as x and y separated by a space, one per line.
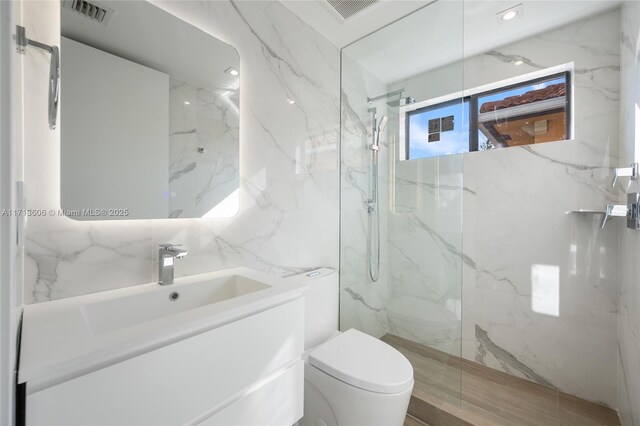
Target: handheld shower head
376 137
383 123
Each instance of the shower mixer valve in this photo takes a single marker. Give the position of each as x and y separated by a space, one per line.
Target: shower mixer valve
633 210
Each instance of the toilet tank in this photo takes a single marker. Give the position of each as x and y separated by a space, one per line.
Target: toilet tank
321 304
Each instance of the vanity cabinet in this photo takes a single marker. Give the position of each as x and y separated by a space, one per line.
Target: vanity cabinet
248 371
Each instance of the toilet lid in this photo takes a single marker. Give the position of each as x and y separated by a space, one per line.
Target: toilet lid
365 362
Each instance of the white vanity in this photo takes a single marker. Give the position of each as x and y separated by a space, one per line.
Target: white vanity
221 348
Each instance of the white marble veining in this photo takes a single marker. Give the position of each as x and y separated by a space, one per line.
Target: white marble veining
472 237
629 302
425 243
289 183
362 303
519 237
203 149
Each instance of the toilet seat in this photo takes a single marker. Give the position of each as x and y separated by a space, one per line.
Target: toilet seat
364 362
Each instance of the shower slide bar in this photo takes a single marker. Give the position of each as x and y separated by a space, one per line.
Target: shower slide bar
54 70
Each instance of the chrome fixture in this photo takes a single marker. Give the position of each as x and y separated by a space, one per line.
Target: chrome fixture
407 101
376 136
613 210
633 210
631 171
166 256
400 101
385 96
372 202
54 70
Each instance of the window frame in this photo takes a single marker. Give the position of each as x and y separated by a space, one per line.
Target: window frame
473 95
408 114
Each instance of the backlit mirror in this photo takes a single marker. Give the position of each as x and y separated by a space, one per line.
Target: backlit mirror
149 115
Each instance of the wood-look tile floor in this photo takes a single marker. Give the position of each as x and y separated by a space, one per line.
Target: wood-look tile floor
451 391
412 421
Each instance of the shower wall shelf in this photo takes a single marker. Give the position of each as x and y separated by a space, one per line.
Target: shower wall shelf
612 210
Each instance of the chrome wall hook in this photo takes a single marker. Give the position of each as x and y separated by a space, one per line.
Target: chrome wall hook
54 70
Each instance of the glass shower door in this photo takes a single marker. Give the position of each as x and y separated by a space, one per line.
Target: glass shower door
404 129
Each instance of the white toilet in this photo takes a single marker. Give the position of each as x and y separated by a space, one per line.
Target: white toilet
351 378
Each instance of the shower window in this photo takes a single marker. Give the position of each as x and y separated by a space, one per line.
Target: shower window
529 112
440 129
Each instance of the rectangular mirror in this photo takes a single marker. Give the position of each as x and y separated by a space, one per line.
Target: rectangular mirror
149 113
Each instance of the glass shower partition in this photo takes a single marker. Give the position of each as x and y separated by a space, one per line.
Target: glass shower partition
401 254
539 99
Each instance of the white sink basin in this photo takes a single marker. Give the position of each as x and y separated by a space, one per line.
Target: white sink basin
66 338
129 310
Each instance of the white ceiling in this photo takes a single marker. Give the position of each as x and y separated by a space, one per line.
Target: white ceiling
324 18
441 33
145 34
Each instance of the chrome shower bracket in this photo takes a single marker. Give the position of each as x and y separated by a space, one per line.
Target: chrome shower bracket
631 171
385 96
54 70
613 210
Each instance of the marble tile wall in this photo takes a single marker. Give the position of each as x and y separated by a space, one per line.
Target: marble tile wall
289 179
203 150
629 302
425 231
421 240
362 302
520 239
472 239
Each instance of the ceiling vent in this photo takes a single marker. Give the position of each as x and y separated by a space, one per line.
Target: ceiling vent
348 8
91 10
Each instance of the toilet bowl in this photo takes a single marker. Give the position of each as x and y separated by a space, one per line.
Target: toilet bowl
352 378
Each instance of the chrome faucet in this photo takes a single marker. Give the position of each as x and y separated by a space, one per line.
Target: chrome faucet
166 256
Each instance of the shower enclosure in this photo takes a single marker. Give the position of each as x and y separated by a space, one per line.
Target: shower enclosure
458 242
401 220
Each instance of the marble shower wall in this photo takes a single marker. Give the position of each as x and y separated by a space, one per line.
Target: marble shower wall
362 302
289 179
517 237
203 149
629 302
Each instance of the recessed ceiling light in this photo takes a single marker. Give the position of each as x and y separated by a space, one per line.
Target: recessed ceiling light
509 14
231 70
518 62
187 103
